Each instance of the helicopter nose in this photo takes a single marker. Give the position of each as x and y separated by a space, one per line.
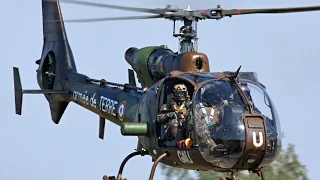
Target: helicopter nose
255 142
241 147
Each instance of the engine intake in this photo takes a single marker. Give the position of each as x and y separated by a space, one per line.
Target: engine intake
161 62
129 54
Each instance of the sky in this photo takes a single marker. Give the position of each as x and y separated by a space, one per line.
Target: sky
282 49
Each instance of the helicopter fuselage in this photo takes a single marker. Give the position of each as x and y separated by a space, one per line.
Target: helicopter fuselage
121 105
231 110
241 124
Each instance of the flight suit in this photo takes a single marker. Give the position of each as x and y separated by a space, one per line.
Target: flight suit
202 129
174 117
205 117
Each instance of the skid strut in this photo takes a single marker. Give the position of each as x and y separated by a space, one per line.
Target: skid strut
261 174
119 176
155 165
233 177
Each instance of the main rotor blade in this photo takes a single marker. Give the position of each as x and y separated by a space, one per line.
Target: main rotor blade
271 10
147 10
107 19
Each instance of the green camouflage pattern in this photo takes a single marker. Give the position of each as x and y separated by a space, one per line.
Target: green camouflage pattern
140 64
202 130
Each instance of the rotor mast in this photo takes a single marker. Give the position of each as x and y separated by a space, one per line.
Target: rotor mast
187 35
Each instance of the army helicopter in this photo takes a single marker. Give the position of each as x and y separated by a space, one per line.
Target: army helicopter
217 121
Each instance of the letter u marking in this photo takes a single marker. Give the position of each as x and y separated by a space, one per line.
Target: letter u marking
254 136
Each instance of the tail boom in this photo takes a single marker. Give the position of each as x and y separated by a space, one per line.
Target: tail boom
112 101
61 84
115 103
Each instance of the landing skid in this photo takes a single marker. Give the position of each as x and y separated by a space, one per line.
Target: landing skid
142 153
259 172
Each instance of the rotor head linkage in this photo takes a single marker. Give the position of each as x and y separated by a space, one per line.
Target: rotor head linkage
187 36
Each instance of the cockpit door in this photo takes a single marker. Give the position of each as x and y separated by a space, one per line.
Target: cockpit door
159 103
166 99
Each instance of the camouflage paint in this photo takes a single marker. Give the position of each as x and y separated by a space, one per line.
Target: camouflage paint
140 64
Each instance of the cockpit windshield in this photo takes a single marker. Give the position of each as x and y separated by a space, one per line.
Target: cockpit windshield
218 121
219 107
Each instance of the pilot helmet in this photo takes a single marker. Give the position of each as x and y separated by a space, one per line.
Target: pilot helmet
210 97
180 92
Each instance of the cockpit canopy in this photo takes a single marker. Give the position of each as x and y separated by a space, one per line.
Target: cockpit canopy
214 116
219 107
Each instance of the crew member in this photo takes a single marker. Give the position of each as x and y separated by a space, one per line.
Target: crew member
211 106
175 113
209 112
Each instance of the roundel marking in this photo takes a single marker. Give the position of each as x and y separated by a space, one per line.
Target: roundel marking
121 110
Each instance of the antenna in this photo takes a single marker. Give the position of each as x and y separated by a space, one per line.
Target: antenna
237 72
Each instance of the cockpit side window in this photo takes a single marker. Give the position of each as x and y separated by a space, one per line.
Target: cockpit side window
260 101
263 105
257 98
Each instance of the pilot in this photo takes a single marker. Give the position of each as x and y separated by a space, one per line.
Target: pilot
212 106
208 113
175 113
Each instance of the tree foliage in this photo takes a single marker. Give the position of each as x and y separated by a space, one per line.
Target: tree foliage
286 167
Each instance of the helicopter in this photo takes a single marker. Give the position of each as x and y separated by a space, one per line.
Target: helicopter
229 110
